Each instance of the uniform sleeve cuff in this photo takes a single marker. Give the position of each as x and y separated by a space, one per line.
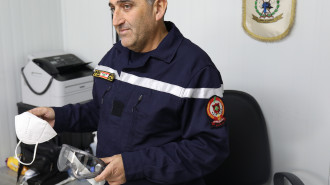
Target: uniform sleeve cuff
59 119
133 165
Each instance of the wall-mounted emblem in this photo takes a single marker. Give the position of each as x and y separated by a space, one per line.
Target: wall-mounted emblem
268 20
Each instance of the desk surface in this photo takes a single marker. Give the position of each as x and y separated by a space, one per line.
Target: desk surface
8 177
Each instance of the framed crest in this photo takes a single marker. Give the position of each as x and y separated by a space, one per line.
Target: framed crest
268 20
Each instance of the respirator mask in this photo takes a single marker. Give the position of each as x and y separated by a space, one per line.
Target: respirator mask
32 130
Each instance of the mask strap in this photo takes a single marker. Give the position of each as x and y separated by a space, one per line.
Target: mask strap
34 154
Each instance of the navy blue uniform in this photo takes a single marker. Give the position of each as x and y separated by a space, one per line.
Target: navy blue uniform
154 112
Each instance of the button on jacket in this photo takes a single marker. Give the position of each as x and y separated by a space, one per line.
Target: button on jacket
154 112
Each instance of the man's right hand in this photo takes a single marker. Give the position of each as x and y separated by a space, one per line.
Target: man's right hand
45 113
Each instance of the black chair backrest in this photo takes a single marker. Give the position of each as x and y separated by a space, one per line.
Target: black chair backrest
249 159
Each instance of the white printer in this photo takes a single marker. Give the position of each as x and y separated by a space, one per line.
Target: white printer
56 79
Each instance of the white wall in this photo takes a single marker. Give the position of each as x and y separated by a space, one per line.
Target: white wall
87 28
25 27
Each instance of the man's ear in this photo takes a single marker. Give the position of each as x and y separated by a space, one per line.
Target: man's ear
160 7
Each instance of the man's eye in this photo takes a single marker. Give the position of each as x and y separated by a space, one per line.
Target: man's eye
127 6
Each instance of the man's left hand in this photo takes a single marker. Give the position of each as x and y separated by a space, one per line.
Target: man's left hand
114 173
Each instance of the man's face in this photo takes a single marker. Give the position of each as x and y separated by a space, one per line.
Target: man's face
134 22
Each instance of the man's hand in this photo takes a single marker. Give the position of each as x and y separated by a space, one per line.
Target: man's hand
114 173
45 113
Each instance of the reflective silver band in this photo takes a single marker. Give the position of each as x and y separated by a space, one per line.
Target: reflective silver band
201 93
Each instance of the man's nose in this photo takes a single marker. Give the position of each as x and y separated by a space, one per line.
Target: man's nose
117 18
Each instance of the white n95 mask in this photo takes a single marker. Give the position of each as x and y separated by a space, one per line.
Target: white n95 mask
32 130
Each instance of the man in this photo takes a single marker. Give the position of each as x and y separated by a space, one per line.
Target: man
157 103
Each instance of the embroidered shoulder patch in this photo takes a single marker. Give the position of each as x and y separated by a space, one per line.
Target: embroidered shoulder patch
105 75
215 110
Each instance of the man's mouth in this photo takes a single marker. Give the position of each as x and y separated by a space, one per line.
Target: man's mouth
123 30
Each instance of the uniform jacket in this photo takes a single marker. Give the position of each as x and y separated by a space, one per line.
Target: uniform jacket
154 112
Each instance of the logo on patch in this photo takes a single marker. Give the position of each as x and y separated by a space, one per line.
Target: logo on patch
216 110
105 75
266 11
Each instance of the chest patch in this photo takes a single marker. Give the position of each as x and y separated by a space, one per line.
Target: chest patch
117 108
103 74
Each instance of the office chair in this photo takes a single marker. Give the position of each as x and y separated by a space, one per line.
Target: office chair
249 159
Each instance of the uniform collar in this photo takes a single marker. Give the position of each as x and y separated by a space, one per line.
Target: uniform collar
164 52
169 45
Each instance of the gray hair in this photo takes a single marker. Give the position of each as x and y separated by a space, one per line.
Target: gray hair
151 2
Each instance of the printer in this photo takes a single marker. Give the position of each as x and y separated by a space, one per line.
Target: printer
55 79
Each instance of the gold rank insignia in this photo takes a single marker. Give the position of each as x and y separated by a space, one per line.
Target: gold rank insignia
105 75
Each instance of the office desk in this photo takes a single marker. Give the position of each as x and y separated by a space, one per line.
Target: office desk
8 177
